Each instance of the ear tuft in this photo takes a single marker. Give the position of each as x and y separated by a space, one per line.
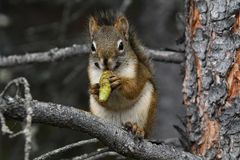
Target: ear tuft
93 26
122 26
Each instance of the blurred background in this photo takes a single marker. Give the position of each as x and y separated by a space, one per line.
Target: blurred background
28 26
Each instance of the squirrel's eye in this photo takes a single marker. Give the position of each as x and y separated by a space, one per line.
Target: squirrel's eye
93 47
120 46
97 65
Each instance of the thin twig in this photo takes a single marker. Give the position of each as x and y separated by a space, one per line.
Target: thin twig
65 19
4 128
77 70
92 154
54 26
66 148
125 5
102 155
27 129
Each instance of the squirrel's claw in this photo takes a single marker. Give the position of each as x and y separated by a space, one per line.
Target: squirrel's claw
115 82
94 89
134 129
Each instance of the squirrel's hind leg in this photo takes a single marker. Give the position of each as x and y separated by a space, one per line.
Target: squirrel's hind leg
134 129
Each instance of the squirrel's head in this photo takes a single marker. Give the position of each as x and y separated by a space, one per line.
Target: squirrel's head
110 44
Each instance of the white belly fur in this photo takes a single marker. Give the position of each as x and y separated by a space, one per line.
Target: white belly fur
137 113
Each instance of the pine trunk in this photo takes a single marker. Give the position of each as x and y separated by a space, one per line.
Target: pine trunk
212 78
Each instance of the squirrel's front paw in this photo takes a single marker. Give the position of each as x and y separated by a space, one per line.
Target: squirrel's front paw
115 81
135 129
94 89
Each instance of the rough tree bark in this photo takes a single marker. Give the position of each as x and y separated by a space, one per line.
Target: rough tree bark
212 77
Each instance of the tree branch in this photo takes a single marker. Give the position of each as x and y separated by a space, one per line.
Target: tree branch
114 137
92 154
104 154
166 56
40 57
52 154
76 50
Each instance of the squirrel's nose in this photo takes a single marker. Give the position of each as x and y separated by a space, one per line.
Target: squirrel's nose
105 63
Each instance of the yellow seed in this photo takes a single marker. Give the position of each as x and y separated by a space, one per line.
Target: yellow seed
105 87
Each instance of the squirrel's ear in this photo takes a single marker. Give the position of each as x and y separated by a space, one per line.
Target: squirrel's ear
93 26
122 26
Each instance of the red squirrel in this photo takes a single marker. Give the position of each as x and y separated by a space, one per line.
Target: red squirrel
133 100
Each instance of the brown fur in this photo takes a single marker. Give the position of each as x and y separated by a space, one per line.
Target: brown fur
151 115
130 88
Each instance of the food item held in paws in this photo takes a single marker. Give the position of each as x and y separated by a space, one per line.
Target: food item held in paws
105 87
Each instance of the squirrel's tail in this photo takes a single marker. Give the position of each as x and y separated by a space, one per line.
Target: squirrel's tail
139 49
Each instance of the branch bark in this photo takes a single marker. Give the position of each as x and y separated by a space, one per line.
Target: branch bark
52 154
76 50
114 137
40 57
166 56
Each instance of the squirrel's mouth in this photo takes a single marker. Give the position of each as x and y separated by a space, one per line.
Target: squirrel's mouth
113 66
107 64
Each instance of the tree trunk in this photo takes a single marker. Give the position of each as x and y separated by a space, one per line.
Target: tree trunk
212 78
